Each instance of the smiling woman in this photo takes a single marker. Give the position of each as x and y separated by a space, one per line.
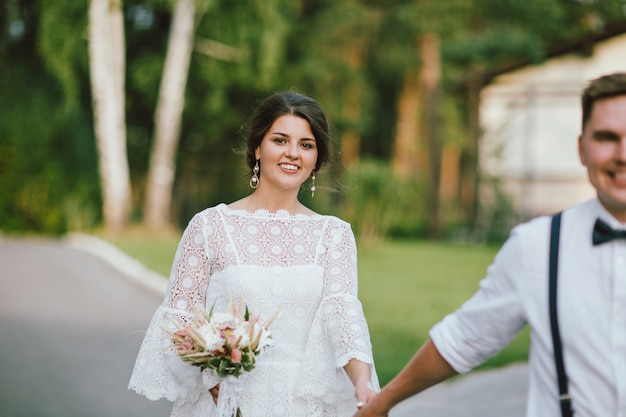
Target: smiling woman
298 127
286 157
271 251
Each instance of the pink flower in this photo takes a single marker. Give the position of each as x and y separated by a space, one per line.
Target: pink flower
235 355
187 343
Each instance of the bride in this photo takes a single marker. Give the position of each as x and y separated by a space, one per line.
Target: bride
274 252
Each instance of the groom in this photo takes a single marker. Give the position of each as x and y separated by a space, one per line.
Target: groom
591 295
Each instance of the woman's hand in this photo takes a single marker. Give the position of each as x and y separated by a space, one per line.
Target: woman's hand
363 393
359 374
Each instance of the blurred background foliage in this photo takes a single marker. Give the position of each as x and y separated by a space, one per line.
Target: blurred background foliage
354 56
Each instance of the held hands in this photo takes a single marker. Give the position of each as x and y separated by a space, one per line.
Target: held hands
369 409
363 393
367 405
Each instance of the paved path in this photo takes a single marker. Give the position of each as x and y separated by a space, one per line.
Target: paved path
71 320
70 329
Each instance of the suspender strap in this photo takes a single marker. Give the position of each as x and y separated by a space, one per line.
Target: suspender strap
564 398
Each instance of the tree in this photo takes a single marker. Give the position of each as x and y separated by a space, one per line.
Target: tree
417 146
245 58
404 159
48 166
168 115
411 39
429 85
334 61
107 62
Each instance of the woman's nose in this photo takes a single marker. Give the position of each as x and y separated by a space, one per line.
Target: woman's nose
292 151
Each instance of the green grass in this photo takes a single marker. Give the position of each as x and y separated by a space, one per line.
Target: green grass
156 251
408 286
405 287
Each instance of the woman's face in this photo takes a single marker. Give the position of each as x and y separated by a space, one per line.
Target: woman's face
287 153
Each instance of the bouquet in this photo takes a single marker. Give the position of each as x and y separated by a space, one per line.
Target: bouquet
226 342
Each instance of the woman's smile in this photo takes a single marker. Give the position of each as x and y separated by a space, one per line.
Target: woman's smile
287 154
289 167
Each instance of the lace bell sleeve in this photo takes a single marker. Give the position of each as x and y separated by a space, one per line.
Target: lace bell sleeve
158 371
342 313
339 331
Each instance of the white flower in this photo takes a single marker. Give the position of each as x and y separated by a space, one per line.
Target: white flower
266 337
212 338
223 321
242 330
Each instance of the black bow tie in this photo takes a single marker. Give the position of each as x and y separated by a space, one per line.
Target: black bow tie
602 233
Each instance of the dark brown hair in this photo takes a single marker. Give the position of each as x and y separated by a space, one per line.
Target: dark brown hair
610 85
288 103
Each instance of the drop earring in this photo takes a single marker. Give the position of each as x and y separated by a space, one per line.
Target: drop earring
254 180
313 184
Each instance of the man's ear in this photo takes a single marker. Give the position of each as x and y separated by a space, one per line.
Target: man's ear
580 150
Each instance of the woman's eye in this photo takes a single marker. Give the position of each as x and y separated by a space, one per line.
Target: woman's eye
279 140
308 145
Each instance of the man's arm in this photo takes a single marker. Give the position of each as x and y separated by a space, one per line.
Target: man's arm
426 368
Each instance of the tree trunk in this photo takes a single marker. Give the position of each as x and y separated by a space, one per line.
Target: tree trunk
168 117
430 77
469 162
106 49
404 158
351 108
118 61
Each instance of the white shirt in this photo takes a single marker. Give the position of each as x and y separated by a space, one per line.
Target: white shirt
591 311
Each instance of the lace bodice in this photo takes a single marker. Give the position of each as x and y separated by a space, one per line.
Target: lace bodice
304 264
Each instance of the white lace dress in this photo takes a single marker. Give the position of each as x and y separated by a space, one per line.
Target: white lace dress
306 265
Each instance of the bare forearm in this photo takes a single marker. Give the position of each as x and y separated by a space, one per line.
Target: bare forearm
427 368
360 375
358 372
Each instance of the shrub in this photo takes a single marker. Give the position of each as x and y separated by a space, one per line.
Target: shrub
377 202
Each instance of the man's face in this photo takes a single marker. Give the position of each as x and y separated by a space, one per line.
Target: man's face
602 149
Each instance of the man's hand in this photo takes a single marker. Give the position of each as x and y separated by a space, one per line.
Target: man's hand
370 410
425 369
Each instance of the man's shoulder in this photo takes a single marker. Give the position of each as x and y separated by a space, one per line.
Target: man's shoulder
571 217
533 226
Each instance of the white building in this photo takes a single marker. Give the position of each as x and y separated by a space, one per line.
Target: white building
530 118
